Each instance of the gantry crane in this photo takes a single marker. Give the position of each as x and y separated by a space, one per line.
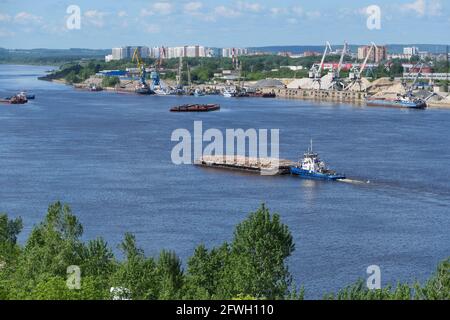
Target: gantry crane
409 89
315 72
336 82
356 72
141 66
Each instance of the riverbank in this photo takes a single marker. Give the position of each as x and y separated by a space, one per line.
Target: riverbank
351 97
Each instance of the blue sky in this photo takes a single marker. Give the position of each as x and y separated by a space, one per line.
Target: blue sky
111 23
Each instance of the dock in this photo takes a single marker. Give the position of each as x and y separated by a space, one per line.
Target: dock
263 166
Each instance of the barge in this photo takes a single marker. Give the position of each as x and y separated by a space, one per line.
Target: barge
400 102
196 108
263 166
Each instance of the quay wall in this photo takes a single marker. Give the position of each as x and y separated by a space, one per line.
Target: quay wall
314 94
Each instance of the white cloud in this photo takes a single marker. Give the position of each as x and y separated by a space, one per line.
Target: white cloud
313 14
146 12
435 8
158 8
152 28
55 29
249 6
424 7
418 6
192 7
278 11
298 11
227 12
95 18
6 33
122 14
4 17
27 18
163 8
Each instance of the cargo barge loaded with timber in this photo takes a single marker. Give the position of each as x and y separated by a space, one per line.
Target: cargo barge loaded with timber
263 166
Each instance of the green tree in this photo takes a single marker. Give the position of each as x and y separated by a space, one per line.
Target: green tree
438 286
170 276
98 261
205 278
54 244
9 229
109 82
259 250
137 273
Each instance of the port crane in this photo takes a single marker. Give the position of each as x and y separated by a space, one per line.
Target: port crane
140 65
315 72
356 72
409 89
336 82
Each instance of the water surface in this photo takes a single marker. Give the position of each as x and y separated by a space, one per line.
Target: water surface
108 156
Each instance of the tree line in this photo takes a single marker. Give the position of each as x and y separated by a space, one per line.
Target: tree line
252 266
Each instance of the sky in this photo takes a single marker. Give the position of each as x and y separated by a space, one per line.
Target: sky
217 23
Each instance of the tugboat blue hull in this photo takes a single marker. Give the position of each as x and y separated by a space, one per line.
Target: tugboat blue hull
301 173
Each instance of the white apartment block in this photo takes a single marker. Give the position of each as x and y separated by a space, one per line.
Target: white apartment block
411 51
127 52
236 52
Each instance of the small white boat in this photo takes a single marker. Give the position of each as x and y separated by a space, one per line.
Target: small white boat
229 93
162 92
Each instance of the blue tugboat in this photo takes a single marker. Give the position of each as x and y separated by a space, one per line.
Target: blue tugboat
311 167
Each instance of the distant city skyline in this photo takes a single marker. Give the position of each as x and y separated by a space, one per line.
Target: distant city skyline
217 23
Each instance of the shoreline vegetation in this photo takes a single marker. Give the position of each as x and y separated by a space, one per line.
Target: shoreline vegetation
252 266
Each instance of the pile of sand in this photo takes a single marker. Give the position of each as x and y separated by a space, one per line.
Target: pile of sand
304 83
307 83
269 83
364 85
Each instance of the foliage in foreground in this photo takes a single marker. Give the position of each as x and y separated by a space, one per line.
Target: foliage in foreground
252 266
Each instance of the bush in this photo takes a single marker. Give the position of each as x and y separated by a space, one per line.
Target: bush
110 82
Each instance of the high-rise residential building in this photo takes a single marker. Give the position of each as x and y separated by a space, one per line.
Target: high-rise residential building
192 51
378 54
236 52
411 51
188 51
119 53
127 52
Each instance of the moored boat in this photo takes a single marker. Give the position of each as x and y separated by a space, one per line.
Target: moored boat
144 89
20 98
229 93
400 102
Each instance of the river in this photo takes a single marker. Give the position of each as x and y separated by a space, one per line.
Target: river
108 155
